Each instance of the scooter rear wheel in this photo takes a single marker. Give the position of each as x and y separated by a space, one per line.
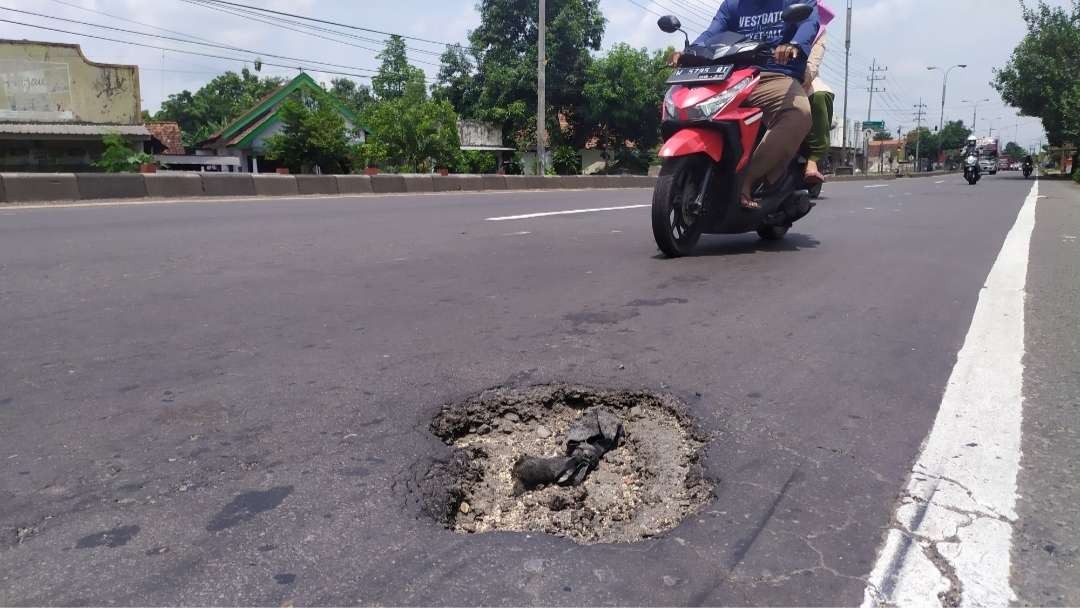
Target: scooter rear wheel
676 215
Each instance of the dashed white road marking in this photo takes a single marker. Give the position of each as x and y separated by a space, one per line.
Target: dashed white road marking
529 216
941 181
518 233
877 186
954 524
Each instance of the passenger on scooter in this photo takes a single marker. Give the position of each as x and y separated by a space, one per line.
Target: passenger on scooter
780 93
821 103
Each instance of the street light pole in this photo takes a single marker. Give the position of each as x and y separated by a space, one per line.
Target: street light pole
847 65
541 110
975 113
944 86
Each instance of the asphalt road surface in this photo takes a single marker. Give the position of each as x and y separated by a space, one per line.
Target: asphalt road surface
217 403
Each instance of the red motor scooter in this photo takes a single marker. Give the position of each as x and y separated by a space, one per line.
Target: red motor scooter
710 134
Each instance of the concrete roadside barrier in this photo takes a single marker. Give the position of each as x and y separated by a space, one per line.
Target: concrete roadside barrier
493 182
354 184
173 185
418 183
621 181
228 184
274 185
317 184
456 183
40 187
516 182
539 182
110 185
387 184
592 181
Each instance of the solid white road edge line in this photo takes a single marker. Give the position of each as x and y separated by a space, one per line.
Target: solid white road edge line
529 216
952 531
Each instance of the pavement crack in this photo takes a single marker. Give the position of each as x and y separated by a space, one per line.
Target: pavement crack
984 512
951 597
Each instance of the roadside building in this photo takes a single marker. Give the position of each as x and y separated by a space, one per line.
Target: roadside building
246 137
167 146
55 106
885 156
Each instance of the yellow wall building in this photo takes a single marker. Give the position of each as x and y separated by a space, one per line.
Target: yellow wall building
55 105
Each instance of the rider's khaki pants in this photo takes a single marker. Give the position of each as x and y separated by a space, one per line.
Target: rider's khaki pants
787 118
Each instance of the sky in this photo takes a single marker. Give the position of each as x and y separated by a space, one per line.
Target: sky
906 36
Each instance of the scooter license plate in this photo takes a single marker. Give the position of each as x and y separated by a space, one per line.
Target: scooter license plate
708 73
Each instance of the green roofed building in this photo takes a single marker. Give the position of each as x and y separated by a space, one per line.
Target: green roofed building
246 137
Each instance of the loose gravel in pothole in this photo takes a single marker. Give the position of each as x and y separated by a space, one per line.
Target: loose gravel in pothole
642 488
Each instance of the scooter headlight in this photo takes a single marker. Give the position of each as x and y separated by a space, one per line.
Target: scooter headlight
709 108
972 160
670 111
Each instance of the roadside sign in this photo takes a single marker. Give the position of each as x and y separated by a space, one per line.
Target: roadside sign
874 125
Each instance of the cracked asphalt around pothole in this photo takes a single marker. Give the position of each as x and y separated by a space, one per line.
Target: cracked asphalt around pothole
228 403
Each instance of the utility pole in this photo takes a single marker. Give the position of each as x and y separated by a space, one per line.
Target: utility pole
847 63
541 86
920 112
873 79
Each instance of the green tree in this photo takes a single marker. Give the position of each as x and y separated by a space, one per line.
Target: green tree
396 78
220 101
925 141
456 81
1014 151
622 92
119 156
412 136
504 47
952 138
313 134
1041 78
356 97
882 136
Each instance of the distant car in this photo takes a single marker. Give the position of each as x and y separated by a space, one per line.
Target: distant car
1014 167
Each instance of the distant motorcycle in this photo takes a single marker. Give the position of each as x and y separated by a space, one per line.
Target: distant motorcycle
972 173
1028 169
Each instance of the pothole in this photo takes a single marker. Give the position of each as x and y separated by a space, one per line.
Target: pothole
643 487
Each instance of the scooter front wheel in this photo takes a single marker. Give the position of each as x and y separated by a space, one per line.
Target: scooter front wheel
677 206
772 233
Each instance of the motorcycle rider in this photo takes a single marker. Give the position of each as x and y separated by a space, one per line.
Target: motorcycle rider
780 92
972 149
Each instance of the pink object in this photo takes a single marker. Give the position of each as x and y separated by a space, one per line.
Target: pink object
825 14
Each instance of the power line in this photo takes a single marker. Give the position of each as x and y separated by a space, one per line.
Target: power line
285 24
695 21
692 9
119 18
334 23
181 40
645 8
172 50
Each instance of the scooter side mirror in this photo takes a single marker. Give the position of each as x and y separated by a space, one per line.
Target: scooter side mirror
669 24
797 13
